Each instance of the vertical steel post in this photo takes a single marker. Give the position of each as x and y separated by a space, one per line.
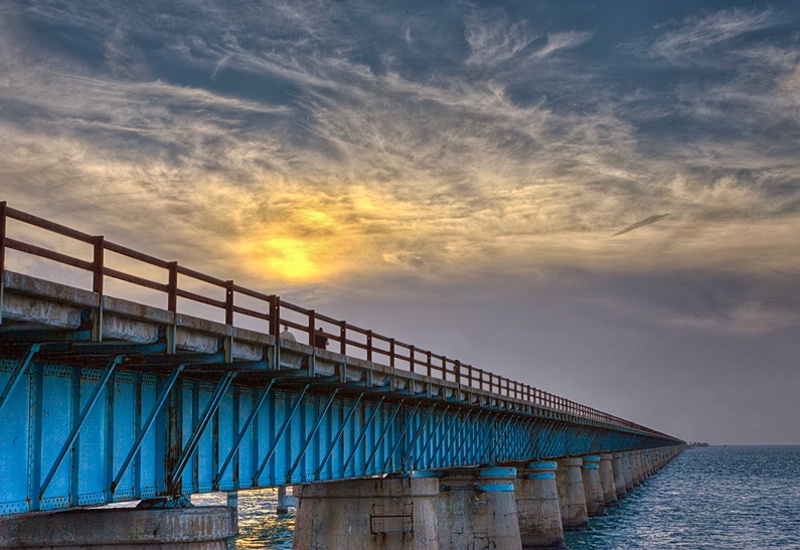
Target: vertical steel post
229 303
343 338
3 216
35 437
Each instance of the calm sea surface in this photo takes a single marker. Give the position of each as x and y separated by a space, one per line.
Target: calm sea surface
720 498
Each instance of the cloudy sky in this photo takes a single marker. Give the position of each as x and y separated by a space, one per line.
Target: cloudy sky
599 199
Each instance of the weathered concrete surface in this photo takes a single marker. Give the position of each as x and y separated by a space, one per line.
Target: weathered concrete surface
286 500
607 479
619 475
538 512
571 496
195 528
592 487
477 509
368 514
627 465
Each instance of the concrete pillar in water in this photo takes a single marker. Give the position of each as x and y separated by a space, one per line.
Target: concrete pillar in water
627 463
639 461
366 514
477 509
571 497
233 504
190 528
607 479
619 475
285 500
538 512
592 486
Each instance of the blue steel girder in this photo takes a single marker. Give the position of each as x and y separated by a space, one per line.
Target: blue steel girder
263 430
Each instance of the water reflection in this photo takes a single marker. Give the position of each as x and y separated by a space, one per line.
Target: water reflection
259 525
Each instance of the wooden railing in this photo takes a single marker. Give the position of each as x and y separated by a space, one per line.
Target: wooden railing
275 313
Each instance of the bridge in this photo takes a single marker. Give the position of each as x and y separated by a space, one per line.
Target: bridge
125 377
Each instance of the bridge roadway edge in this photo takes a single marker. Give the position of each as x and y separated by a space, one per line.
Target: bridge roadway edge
396 420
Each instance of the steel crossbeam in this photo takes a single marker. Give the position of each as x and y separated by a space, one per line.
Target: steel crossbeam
386 427
390 457
302 452
211 407
247 423
363 433
16 374
279 435
99 387
148 423
338 436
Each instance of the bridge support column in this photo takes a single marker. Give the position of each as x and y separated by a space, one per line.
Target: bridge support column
285 500
538 511
192 528
619 475
571 497
607 479
592 487
640 475
478 509
367 514
627 465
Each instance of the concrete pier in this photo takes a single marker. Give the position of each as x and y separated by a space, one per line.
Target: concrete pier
571 496
592 487
193 528
477 509
627 466
365 514
607 479
285 500
538 512
619 475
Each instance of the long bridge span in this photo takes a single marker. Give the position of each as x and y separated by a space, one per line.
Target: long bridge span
124 377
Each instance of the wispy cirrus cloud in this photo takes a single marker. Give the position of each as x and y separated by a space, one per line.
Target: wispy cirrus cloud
562 40
696 37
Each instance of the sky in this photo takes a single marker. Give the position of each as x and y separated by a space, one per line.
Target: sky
600 199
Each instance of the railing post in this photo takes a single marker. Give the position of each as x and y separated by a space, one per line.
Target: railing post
343 336
391 352
458 371
229 303
411 358
3 215
312 321
97 265
275 315
444 368
172 296
430 366
369 346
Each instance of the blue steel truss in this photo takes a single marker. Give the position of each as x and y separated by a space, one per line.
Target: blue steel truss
124 429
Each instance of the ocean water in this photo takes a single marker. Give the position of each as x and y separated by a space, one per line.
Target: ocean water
720 498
